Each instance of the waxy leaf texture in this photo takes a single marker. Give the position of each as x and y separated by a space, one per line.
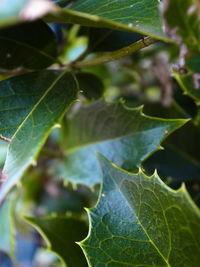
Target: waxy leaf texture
140 221
124 135
140 16
30 107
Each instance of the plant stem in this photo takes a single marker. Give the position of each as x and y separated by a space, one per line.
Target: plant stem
125 51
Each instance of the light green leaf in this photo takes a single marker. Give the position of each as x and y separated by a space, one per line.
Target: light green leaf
30 107
125 136
7 229
60 234
139 221
126 15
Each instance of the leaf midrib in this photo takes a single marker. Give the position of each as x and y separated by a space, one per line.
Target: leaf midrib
38 103
114 24
144 230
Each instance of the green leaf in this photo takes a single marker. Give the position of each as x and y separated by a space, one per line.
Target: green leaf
183 21
190 85
30 46
125 136
60 234
101 39
139 221
30 107
169 164
193 62
91 86
9 13
127 15
7 229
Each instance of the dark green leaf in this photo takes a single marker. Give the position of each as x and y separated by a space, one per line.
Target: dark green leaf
193 62
30 107
108 40
125 136
60 234
30 46
90 84
139 221
174 164
190 84
127 15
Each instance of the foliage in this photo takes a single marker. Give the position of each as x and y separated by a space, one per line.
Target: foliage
94 96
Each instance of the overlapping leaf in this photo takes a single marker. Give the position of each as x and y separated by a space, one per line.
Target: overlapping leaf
123 135
127 15
91 86
30 46
139 221
30 106
60 234
190 84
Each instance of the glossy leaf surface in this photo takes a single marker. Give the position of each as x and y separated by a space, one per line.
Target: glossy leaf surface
125 136
30 107
139 221
126 15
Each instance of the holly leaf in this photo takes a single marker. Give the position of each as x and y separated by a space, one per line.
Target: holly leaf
31 106
101 39
90 85
29 46
190 84
140 221
127 15
125 136
60 234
